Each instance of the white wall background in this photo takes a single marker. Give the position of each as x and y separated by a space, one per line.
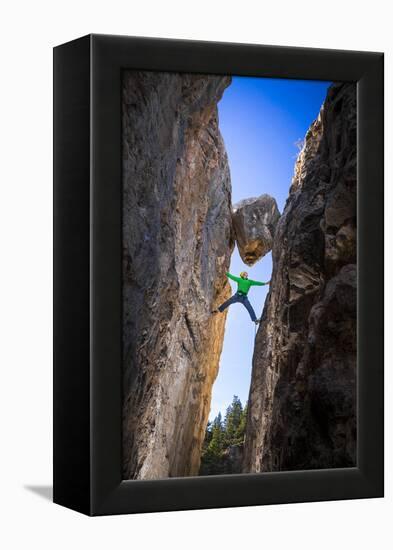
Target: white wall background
28 31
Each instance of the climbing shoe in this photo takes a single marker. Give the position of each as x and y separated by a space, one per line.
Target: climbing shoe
257 321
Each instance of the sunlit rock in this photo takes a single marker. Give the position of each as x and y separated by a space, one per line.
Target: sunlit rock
176 250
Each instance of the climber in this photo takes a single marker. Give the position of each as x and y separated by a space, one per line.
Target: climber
243 286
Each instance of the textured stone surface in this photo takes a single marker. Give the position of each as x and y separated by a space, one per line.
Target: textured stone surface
302 402
177 241
254 224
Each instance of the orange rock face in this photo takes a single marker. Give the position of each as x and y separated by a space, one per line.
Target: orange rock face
177 243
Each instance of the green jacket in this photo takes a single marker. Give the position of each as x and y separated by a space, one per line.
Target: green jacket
244 285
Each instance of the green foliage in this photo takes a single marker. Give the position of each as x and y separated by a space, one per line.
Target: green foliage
220 437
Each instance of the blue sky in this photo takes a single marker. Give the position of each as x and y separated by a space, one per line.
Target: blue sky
261 119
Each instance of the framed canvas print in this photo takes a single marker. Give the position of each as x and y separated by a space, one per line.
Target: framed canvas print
218 275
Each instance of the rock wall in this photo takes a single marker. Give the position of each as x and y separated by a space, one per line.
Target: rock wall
302 401
177 241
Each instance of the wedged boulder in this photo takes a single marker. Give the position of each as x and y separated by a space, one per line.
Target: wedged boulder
254 222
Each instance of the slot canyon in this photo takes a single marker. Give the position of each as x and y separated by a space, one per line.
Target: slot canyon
179 231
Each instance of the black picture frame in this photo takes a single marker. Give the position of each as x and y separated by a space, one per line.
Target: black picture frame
87 275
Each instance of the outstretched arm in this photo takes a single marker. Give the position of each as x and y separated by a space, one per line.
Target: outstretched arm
258 283
237 279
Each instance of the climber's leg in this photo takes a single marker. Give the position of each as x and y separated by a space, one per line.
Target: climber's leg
232 300
249 308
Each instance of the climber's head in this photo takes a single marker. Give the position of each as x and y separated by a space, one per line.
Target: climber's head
244 275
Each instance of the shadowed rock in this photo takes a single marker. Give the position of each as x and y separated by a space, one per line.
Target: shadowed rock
254 222
302 401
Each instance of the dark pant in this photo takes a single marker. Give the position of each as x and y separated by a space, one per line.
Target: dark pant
242 298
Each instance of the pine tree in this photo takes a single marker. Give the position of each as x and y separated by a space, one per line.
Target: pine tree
212 455
208 436
217 439
233 419
220 436
241 430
